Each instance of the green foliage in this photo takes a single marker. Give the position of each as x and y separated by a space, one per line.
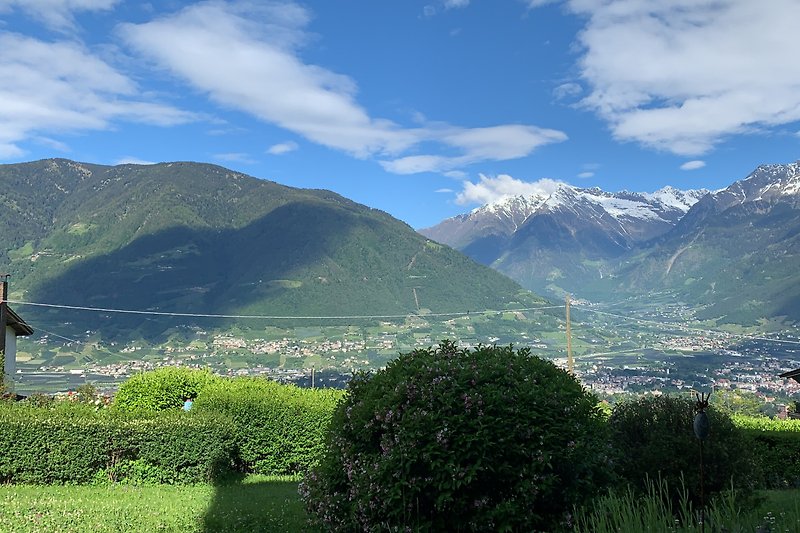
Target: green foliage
764 424
653 438
448 439
256 504
279 429
73 443
629 512
160 389
163 236
39 399
736 401
776 444
87 393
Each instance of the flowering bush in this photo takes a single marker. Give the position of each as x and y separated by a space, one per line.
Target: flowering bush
450 439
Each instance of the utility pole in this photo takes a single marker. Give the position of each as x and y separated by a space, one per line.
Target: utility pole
570 362
3 319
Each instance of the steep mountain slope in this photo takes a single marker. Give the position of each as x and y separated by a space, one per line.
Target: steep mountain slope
564 241
737 251
198 238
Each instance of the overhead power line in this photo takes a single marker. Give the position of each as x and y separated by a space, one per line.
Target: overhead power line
275 317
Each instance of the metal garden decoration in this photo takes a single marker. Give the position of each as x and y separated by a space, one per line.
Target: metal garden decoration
702 428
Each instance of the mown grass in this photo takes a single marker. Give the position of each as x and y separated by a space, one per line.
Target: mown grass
261 504
257 503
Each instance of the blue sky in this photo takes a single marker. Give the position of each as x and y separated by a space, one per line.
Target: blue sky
424 109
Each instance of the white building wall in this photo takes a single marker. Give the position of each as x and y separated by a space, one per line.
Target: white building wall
10 366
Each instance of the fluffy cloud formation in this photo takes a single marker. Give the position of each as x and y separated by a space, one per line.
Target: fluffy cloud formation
680 75
494 189
56 14
693 165
497 143
246 56
282 148
41 90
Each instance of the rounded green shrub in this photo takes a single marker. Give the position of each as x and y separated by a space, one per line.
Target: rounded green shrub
280 429
451 439
160 389
653 440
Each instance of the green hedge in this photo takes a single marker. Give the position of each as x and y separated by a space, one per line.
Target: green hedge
280 429
776 444
72 444
162 389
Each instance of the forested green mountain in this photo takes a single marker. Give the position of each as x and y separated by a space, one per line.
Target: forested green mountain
198 238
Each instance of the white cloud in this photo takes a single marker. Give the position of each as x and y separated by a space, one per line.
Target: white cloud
496 143
282 148
130 160
693 165
493 189
56 14
60 87
681 75
235 157
539 3
52 143
587 174
567 90
247 57
457 174
444 190
450 4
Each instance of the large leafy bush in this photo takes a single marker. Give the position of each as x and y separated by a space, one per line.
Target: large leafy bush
653 439
280 429
160 389
450 439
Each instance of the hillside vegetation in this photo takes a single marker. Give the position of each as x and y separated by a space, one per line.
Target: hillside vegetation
198 238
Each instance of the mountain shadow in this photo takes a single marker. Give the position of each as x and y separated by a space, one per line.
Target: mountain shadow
304 258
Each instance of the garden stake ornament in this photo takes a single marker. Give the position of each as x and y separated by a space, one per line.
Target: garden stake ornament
702 427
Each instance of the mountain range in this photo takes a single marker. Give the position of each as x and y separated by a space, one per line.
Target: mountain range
733 252
198 238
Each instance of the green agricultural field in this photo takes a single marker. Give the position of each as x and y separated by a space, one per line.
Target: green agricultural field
256 504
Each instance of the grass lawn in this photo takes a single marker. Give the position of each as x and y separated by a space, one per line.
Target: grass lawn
256 504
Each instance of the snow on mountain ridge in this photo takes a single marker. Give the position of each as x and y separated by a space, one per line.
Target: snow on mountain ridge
623 203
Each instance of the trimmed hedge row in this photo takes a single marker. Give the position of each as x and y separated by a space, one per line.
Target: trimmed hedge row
76 445
776 444
279 429
252 425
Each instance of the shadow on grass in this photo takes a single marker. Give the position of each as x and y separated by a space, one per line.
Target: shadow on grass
256 503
